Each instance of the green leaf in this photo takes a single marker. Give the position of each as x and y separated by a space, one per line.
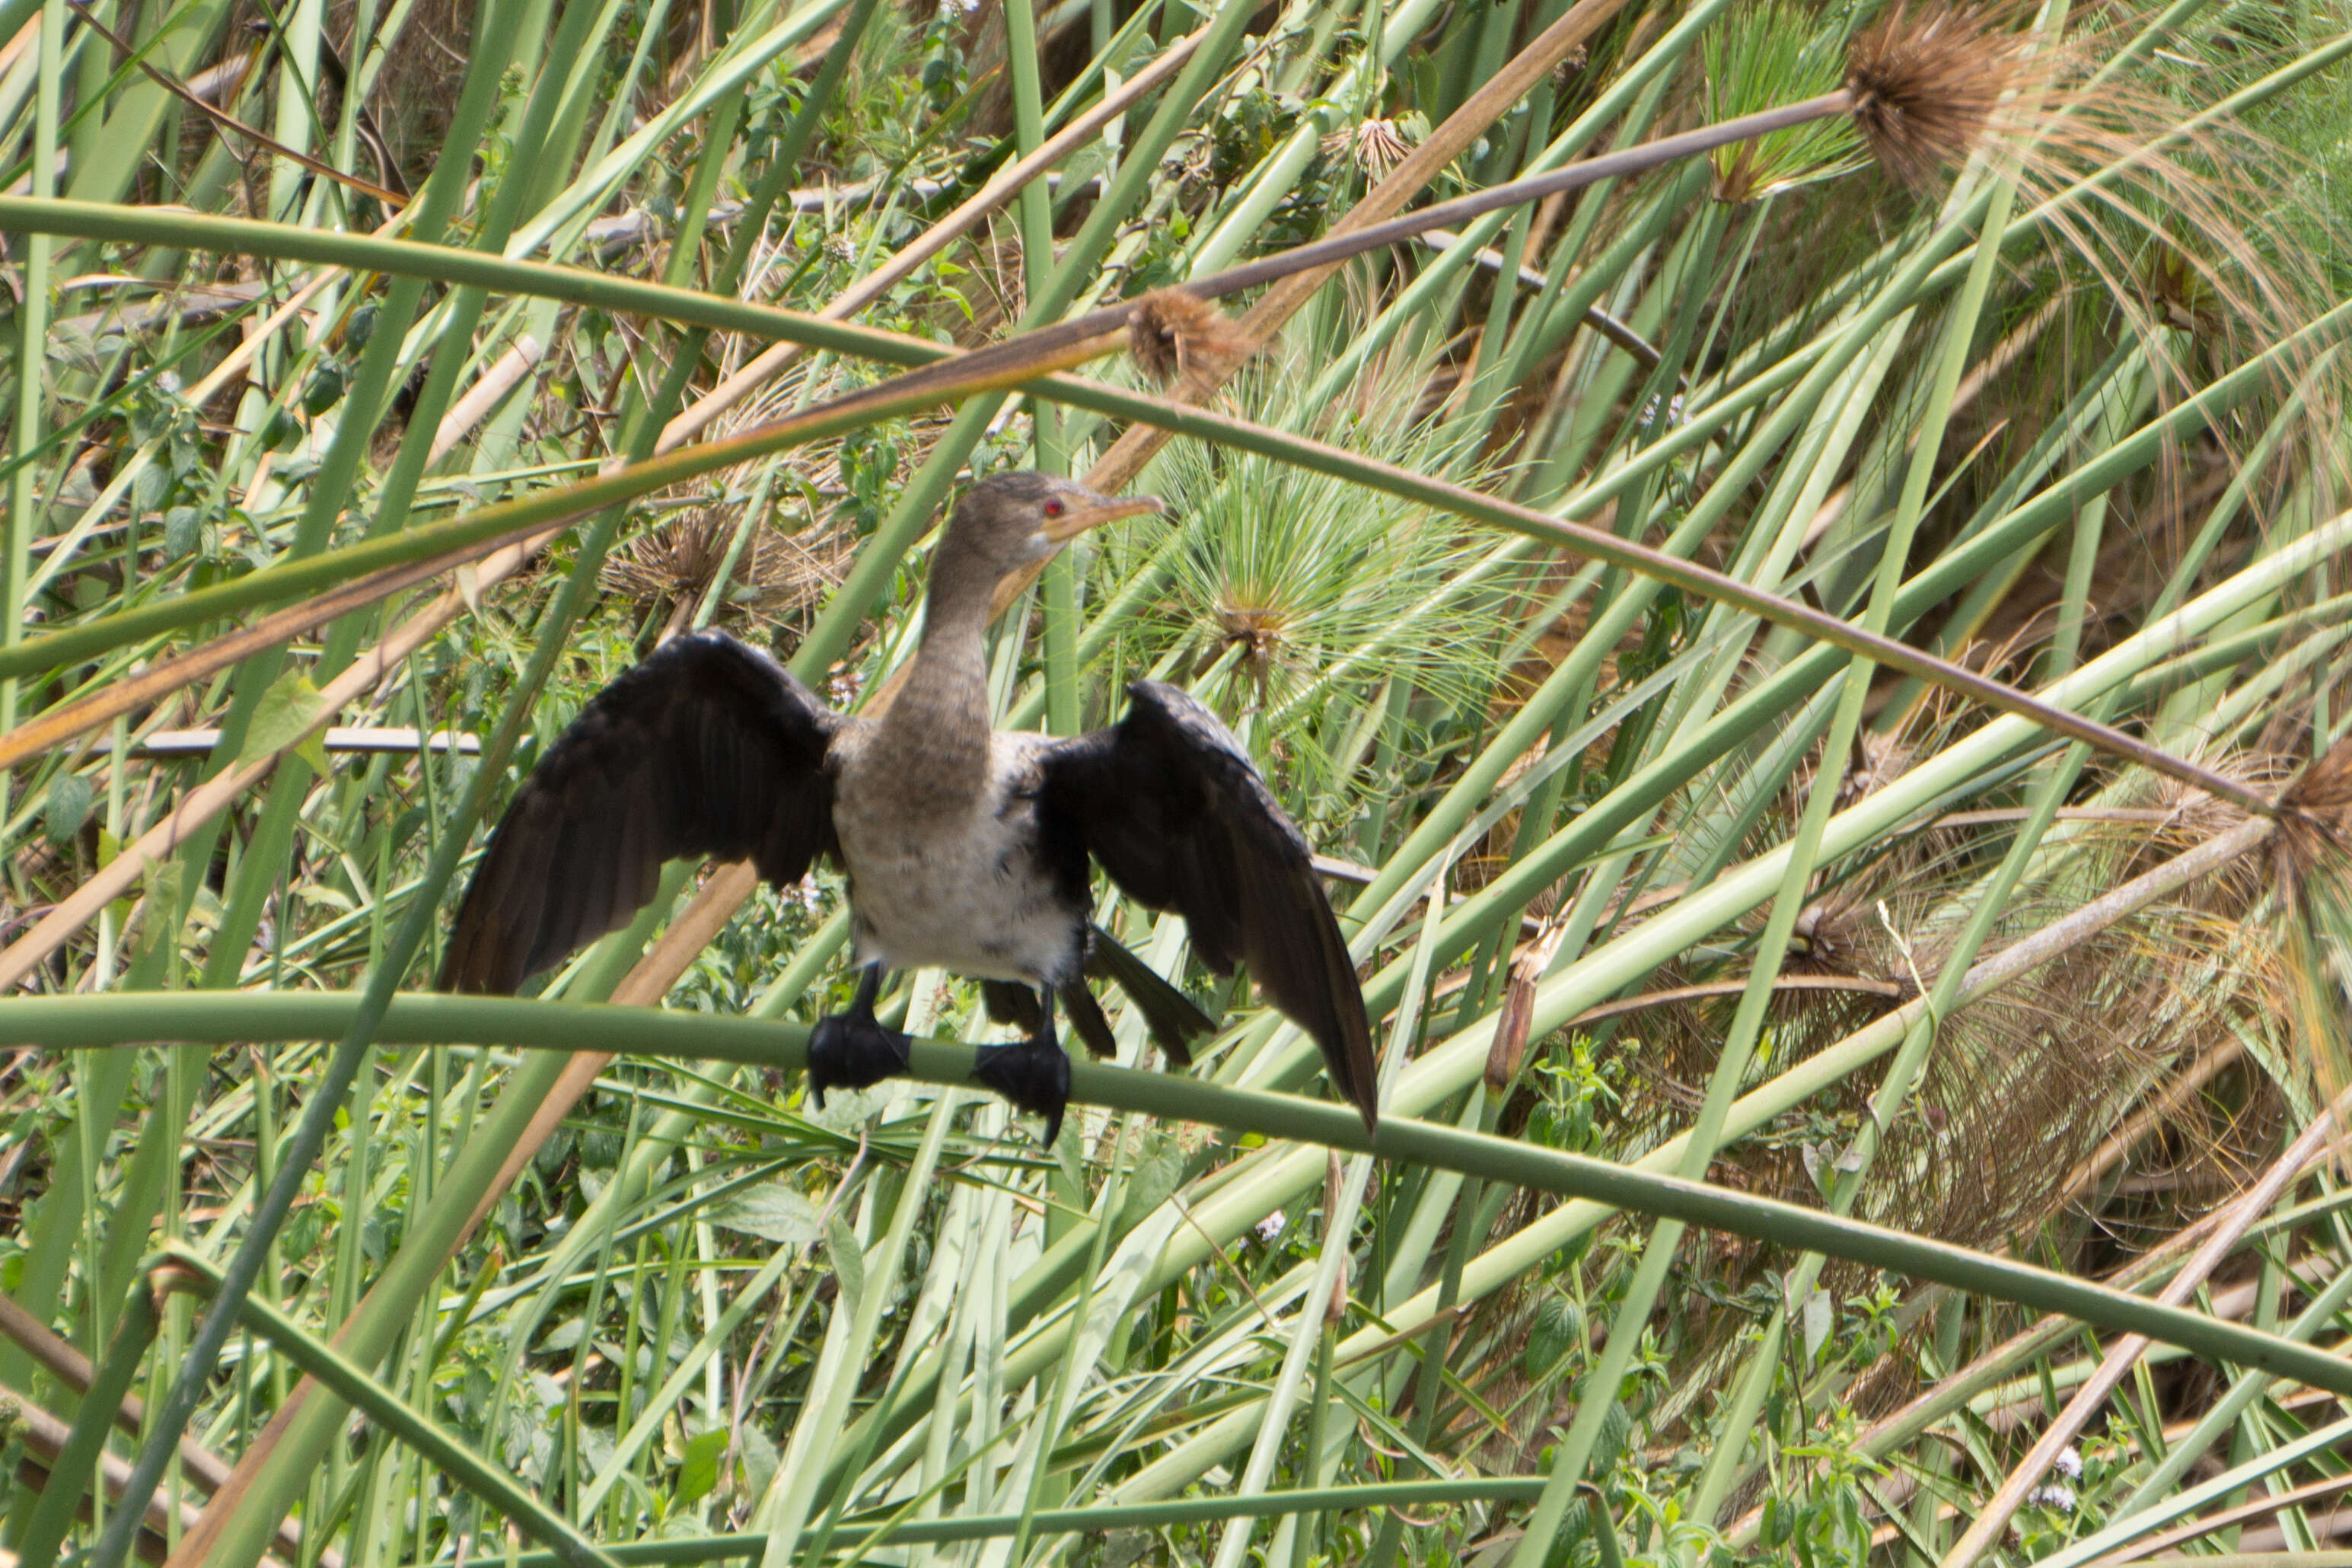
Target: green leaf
148 485
163 879
775 1212
699 1476
759 1460
182 531
848 1262
1820 1315
73 345
69 802
283 719
1158 1171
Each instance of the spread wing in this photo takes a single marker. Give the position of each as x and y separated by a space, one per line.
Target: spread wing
705 748
1171 806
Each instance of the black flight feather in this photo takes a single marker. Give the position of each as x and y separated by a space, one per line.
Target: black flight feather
1173 808
1174 1022
704 748
1010 1002
1087 1020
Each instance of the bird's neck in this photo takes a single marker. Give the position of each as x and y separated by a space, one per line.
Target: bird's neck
937 726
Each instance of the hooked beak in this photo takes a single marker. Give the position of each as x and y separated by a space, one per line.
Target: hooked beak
1078 516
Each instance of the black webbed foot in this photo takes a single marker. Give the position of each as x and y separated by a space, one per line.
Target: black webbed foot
850 1050
846 1051
1034 1074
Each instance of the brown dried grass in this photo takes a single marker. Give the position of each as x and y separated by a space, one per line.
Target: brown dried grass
1171 331
1927 82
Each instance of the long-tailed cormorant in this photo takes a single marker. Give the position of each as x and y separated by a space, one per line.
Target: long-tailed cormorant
966 847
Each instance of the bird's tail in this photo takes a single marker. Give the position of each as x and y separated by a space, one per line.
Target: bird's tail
1174 1022
1087 1020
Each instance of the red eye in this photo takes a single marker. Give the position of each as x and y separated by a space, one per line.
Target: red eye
1053 509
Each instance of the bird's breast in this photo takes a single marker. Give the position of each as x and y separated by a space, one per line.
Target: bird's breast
957 885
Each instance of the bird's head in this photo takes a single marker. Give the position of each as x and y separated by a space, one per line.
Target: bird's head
1011 521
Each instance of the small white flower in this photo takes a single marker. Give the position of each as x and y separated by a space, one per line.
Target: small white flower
1272 1225
2057 1496
2069 1463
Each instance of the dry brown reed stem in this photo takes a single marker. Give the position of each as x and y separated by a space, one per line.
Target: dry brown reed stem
2228 1305
2273 1547
648 982
72 1369
1787 984
1117 467
2048 1330
2205 1524
209 799
1897 91
1992 1519
229 122
728 887
521 357
56 726
43 1436
772 361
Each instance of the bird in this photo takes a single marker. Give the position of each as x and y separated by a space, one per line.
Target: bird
966 848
